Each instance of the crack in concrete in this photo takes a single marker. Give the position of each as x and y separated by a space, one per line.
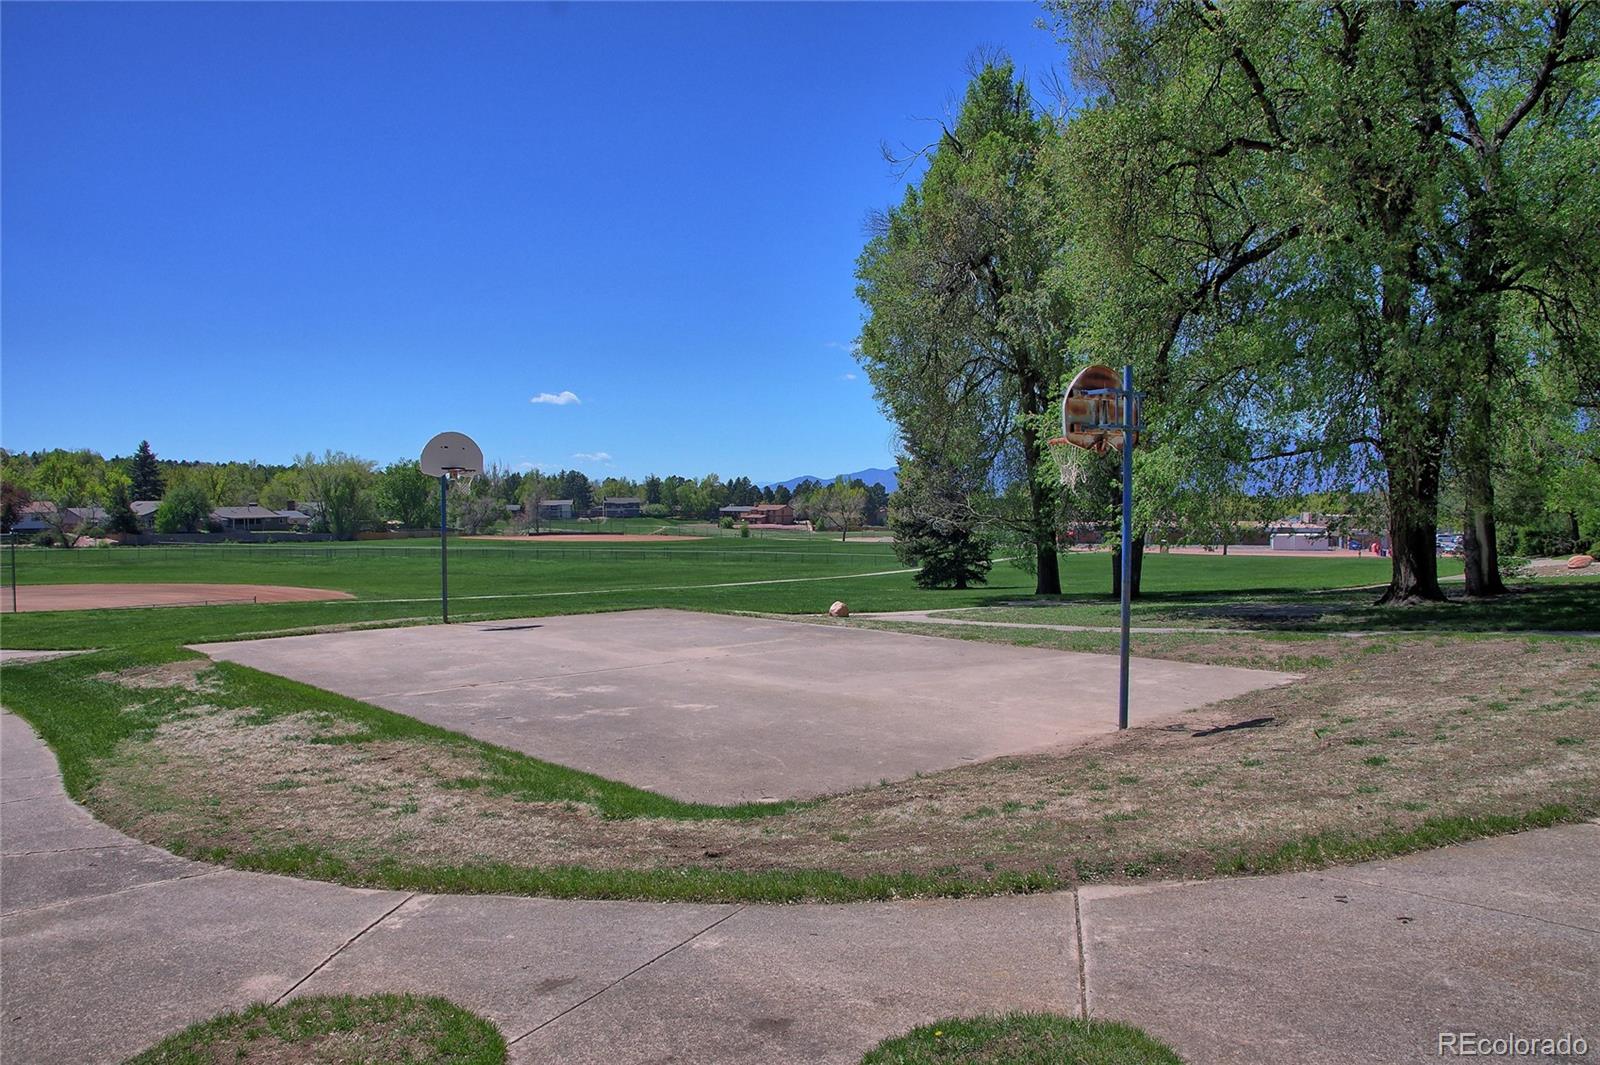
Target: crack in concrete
345 946
624 976
61 903
1459 902
75 850
30 798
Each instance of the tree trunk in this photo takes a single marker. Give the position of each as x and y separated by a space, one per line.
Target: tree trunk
1476 459
1479 550
1413 530
1047 567
1138 569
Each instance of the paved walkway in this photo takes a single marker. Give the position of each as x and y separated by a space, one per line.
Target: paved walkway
107 944
927 617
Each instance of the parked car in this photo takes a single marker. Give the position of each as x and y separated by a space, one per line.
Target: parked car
1448 543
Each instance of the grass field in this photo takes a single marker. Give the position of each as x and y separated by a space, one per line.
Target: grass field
399 583
1390 742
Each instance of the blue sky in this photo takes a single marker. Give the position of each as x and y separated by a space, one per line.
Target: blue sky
248 231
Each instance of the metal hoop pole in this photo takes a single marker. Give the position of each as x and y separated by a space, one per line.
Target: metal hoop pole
444 568
1127 536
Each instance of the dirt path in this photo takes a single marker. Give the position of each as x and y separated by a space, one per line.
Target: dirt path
34 597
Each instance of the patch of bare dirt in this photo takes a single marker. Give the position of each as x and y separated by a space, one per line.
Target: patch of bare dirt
1379 736
190 674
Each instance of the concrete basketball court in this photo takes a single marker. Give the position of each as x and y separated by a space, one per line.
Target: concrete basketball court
720 709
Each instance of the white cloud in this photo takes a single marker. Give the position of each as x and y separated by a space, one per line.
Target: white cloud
848 377
852 347
559 399
592 456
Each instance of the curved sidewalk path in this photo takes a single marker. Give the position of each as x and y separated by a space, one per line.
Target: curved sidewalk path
930 617
108 944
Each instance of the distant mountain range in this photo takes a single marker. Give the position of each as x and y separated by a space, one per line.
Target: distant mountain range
888 478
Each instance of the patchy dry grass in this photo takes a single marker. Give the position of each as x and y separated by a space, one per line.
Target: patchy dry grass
1386 745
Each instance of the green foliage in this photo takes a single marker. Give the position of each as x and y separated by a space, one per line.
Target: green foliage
1336 241
838 505
341 485
404 494
144 473
184 509
936 529
120 517
966 322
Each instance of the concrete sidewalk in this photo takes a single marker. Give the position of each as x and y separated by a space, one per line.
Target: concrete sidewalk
107 944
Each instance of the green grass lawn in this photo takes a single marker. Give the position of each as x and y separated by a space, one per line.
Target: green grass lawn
365 1030
1022 1039
398 582
1541 604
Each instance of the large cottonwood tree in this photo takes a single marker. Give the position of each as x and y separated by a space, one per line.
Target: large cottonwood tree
1298 231
961 304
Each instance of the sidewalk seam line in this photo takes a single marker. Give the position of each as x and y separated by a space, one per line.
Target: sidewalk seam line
108 894
1459 902
624 976
1083 961
347 943
76 850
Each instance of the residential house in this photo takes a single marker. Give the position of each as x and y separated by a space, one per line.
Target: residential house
39 516
737 513
145 511
249 518
771 514
622 507
555 509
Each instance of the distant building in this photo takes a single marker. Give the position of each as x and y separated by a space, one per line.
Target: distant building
737 513
614 507
145 511
249 518
772 514
39 516
556 509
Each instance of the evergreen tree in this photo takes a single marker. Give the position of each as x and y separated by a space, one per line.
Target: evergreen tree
145 473
120 517
935 526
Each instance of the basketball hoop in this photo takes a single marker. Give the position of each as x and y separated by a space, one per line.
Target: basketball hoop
1097 414
1100 410
449 457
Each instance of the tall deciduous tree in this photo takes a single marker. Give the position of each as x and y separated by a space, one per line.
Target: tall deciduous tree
960 298
184 509
1295 195
341 485
405 494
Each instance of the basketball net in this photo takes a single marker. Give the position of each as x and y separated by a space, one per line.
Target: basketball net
1072 462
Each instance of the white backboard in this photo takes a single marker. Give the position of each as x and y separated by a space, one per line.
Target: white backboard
451 453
